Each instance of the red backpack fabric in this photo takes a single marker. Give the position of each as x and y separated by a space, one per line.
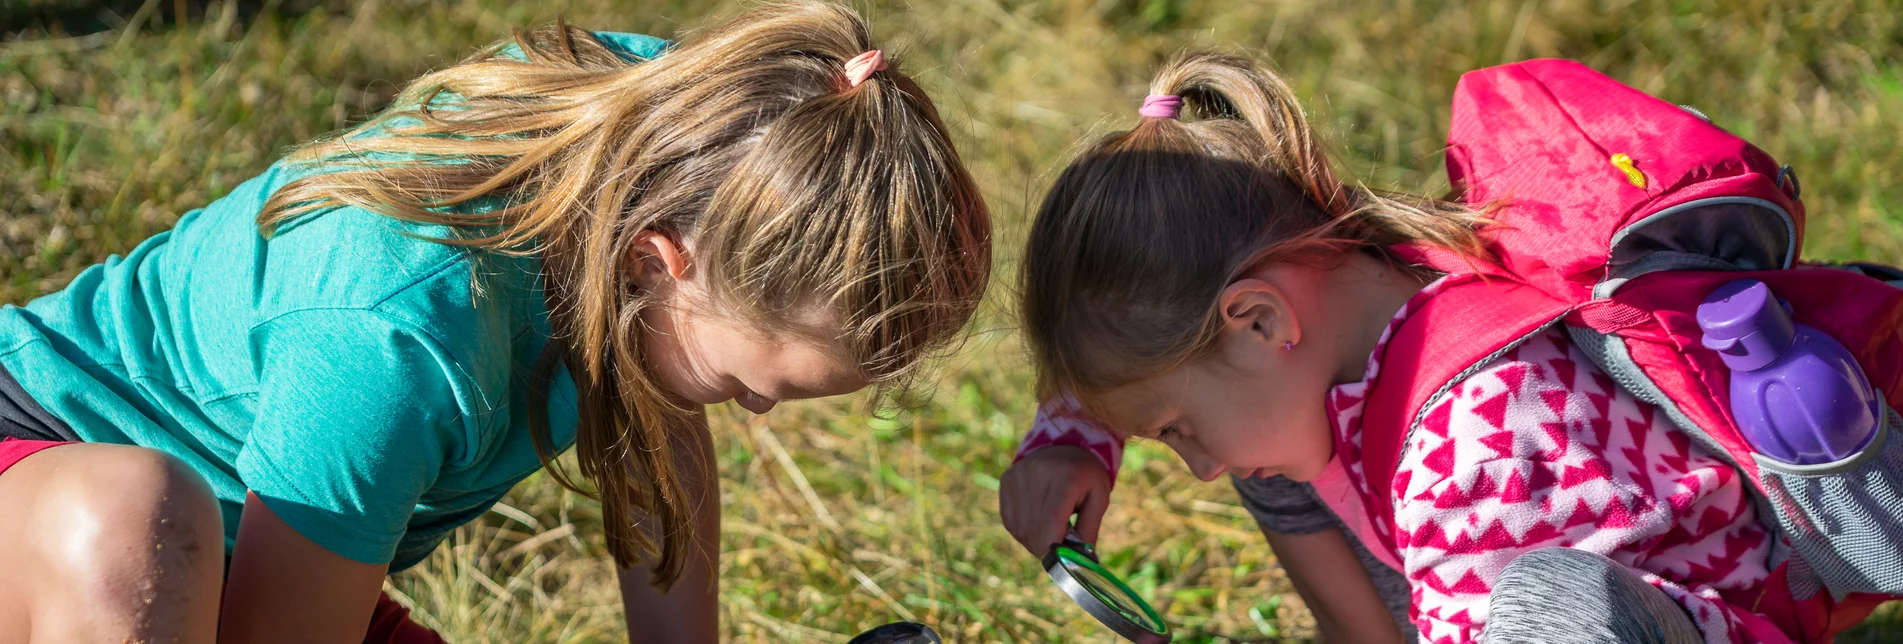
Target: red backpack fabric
1618 214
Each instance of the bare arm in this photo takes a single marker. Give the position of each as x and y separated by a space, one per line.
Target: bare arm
689 612
1332 581
283 588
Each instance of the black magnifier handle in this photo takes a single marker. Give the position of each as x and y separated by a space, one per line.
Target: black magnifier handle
1077 542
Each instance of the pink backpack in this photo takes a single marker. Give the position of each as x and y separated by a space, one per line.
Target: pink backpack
1621 212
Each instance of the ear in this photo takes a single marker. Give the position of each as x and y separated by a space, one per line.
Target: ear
656 260
1256 310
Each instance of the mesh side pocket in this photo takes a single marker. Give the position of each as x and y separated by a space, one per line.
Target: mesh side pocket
1845 519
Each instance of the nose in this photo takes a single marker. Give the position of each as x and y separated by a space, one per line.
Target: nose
1200 464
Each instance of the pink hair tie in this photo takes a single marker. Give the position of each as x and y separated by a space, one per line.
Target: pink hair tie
863 65
1161 106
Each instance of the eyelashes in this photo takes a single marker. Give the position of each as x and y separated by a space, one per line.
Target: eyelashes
1168 432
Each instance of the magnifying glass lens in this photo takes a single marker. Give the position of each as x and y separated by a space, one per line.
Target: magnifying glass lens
1113 594
1077 573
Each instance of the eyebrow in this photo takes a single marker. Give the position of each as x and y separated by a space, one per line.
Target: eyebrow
1150 426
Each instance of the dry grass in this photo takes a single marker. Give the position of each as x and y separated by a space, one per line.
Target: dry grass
837 520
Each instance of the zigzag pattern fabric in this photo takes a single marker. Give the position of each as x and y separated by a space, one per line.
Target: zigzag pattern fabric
1063 421
1540 448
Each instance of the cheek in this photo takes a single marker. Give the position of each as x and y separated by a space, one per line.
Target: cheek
1289 425
678 365
1289 402
663 354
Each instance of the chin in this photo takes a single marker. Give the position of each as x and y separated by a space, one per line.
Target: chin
709 397
1302 474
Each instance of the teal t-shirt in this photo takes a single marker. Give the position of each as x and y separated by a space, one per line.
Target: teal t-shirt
347 370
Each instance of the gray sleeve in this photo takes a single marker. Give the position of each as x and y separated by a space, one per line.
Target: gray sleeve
1283 506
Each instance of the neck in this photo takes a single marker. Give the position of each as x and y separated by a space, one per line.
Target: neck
1371 292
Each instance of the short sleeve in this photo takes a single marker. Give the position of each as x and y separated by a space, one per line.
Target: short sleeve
356 416
1064 421
633 47
1284 506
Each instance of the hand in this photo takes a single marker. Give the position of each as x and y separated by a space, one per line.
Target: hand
1038 495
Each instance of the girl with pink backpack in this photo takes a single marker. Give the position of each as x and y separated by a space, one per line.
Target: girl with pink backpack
1594 398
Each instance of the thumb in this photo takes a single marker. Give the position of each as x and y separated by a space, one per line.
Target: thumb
1090 514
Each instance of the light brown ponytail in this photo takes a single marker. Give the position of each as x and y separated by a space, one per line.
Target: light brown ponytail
794 187
1139 235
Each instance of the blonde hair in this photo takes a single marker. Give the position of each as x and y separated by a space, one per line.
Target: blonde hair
1135 242
793 186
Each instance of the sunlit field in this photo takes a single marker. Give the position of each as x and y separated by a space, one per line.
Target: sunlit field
119 117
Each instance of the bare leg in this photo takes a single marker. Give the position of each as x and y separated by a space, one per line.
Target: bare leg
108 543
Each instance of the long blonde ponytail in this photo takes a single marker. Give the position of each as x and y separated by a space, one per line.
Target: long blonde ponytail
737 140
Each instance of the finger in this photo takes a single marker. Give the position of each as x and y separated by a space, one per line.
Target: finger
1044 528
1004 505
1011 514
1090 514
1048 526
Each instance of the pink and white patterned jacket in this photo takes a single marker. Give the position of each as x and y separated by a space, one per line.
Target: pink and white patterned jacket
1539 448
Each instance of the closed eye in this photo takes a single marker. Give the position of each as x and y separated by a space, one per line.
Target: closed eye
1167 432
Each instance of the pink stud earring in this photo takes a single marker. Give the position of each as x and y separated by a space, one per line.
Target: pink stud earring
1288 346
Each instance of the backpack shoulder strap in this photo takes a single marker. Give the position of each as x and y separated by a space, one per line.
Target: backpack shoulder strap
1470 322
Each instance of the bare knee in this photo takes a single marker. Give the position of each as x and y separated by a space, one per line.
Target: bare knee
137 536
130 509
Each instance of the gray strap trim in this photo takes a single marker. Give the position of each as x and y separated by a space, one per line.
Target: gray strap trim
1420 415
1681 260
1611 355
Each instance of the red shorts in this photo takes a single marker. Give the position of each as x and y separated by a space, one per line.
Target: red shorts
14 449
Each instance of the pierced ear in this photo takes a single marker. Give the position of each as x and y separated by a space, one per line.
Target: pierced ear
1258 308
655 257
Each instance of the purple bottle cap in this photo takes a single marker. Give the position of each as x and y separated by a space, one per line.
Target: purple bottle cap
1746 325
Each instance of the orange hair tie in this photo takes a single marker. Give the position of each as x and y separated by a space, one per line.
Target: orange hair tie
863 65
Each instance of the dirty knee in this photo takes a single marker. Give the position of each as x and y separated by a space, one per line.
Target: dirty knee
134 531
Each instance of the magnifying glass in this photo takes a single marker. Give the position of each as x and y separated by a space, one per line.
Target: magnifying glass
1073 565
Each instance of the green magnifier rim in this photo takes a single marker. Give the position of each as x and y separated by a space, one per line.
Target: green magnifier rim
1150 616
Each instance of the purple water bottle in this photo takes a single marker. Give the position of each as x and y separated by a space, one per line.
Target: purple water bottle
1797 394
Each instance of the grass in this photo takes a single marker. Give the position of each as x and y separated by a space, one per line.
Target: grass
121 116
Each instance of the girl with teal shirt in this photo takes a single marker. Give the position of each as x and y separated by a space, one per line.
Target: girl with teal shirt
572 240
